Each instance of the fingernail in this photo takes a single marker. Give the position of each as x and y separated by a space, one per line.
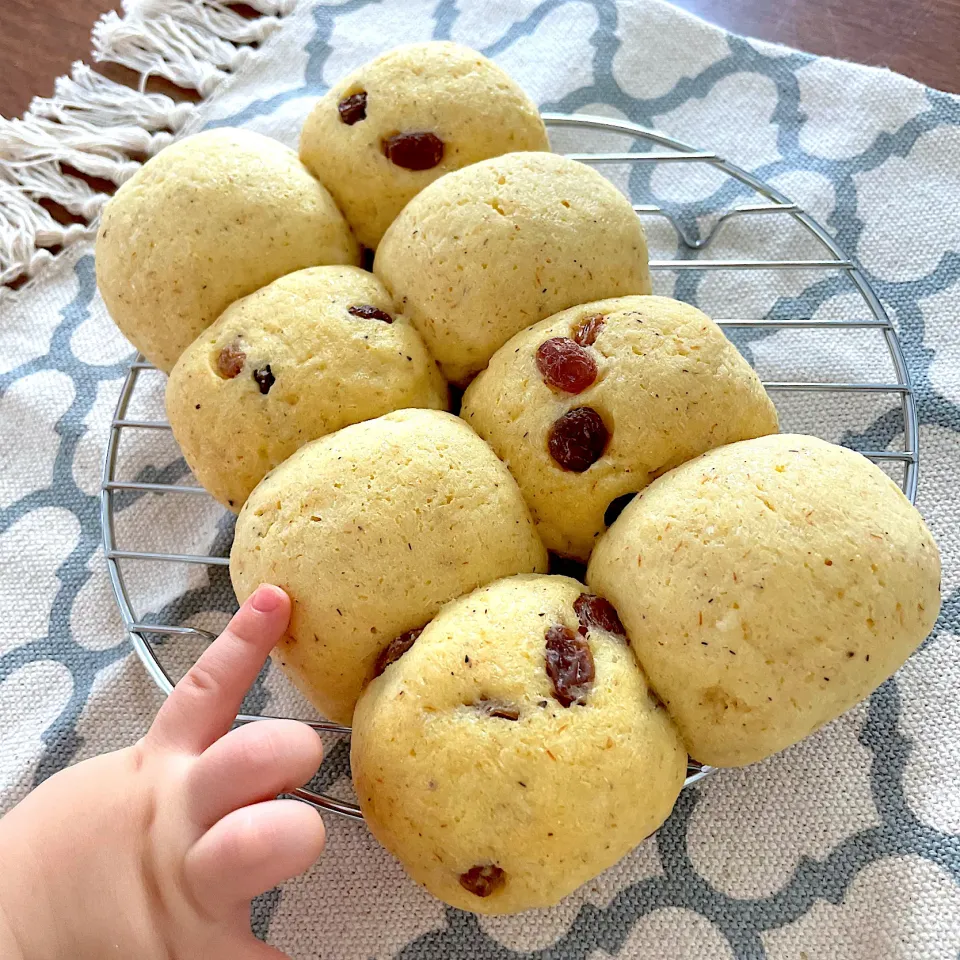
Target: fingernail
266 599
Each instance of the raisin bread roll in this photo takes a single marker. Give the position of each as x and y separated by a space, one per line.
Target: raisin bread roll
487 251
208 220
371 530
590 405
767 587
514 751
380 135
310 353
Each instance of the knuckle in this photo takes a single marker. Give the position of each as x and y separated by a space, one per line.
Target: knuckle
199 679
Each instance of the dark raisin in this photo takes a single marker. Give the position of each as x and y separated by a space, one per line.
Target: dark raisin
565 365
616 506
353 109
577 440
395 649
230 361
494 708
420 150
569 665
265 378
482 881
594 611
588 329
366 311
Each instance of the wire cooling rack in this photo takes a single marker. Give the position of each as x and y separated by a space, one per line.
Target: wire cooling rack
709 230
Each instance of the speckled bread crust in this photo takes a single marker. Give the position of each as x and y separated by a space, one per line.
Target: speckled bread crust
668 386
492 249
453 92
319 368
551 798
208 220
371 530
767 587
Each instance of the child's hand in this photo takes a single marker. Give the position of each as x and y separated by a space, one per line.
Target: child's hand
156 851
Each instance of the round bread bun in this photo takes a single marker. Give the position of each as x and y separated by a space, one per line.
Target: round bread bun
498 787
380 135
490 250
767 587
663 384
208 220
310 353
371 530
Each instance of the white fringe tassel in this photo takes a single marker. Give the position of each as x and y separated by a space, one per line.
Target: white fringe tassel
97 126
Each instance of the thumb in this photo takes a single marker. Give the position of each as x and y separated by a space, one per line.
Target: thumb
250 851
253 949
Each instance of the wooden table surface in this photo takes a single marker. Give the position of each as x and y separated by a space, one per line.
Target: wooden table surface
39 39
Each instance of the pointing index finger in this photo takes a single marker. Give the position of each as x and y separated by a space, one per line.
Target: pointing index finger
206 701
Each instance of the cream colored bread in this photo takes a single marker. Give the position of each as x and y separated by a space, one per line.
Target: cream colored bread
291 363
767 587
664 381
371 530
462 107
493 793
488 251
208 220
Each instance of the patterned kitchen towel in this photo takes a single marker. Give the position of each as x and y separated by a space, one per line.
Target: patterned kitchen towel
845 846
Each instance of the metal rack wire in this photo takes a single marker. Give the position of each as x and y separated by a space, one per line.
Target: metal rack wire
675 152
